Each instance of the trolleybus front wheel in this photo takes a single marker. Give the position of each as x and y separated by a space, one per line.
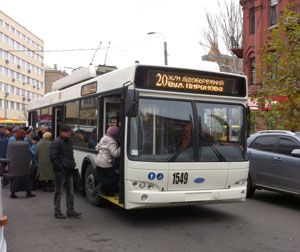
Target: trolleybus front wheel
89 184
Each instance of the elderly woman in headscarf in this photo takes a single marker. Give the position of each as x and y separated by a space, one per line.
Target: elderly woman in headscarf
108 150
45 172
21 183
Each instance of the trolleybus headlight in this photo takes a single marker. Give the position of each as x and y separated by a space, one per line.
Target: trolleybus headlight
150 186
144 197
240 182
142 185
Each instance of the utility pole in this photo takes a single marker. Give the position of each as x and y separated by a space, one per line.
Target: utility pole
5 104
165 45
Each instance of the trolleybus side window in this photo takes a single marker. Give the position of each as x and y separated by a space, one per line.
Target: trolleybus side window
71 118
88 123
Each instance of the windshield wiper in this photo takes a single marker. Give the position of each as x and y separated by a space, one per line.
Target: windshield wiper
217 152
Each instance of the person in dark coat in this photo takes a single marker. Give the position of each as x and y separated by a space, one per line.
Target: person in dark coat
21 183
34 141
62 159
45 172
3 150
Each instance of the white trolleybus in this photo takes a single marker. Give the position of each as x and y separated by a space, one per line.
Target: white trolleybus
182 132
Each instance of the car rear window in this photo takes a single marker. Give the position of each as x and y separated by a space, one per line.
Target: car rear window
286 146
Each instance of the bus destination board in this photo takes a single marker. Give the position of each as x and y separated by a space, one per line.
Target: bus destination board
192 81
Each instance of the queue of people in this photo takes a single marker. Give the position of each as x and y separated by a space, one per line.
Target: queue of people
52 163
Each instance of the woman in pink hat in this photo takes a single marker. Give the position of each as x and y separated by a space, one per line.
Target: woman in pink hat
108 150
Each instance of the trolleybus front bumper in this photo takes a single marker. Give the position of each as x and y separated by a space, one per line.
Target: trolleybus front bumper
147 198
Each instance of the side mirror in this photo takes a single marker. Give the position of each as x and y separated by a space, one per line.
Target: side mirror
131 103
296 153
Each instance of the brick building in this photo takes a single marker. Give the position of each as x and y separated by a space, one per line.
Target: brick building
21 68
259 16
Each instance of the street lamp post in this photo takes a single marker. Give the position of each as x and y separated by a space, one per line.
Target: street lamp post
5 104
165 45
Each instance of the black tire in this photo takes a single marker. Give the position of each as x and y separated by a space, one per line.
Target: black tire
91 195
250 188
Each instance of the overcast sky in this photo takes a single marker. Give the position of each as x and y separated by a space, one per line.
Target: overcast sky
75 24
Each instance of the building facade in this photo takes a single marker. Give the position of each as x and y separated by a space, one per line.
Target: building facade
226 63
259 16
51 75
21 69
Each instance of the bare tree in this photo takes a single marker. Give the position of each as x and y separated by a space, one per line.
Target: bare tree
210 35
229 21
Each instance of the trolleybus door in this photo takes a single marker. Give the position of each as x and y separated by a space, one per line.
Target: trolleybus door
111 112
57 120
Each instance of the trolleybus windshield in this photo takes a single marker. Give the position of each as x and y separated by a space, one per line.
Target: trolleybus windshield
166 131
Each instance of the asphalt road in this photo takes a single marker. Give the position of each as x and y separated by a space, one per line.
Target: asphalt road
268 222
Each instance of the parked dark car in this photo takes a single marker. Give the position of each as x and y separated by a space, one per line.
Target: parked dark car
274 157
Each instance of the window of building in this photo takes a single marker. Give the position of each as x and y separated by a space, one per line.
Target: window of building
23 107
12 74
12 89
12 58
0 103
253 72
5 55
0 36
5 71
273 12
18 105
6 25
12 105
5 39
18 91
11 43
252 21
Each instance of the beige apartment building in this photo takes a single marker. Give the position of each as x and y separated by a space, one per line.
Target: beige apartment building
21 69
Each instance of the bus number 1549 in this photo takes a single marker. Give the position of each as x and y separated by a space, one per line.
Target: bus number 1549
180 177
